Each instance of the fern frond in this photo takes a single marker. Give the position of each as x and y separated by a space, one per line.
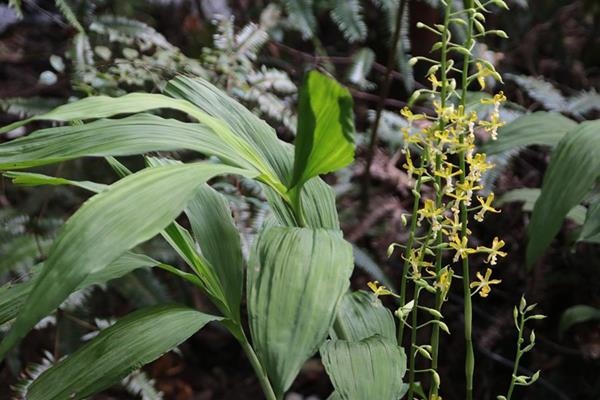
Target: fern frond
362 63
28 107
347 14
249 40
301 16
69 15
273 80
31 373
583 103
140 385
128 31
541 91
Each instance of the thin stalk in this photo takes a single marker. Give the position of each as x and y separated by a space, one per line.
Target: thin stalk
259 370
468 307
385 90
513 381
413 343
409 244
435 330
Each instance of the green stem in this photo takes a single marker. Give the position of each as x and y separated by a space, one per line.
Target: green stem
435 331
409 244
413 344
517 359
468 307
259 370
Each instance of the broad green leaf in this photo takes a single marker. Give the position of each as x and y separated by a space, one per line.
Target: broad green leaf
219 241
318 206
530 195
114 137
324 138
576 315
296 278
33 179
13 296
361 315
539 128
371 368
133 341
318 199
130 212
104 106
255 140
573 169
591 228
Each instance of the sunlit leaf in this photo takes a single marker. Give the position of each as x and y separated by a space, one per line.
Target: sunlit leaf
324 138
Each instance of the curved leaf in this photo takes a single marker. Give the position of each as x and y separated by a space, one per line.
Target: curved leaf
576 315
133 341
324 138
114 137
130 212
13 296
361 315
219 240
371 368
573 169
296 277
539 128
33 179
591 228
530 195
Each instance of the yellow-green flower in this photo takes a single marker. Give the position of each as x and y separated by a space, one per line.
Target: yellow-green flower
483 286
379 290
486 206
494 251
461 246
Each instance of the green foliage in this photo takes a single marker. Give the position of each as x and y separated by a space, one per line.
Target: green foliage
575 156
370 368
313 271
135 340
361 315
296 277
325 127
539 128
576 315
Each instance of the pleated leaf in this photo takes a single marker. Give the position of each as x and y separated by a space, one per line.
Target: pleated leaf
318 206
114 137
13 296
591 228
324 138
540 128
361 315
573 169
132 342
130 212
253 137
296 277
371 368
219 241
